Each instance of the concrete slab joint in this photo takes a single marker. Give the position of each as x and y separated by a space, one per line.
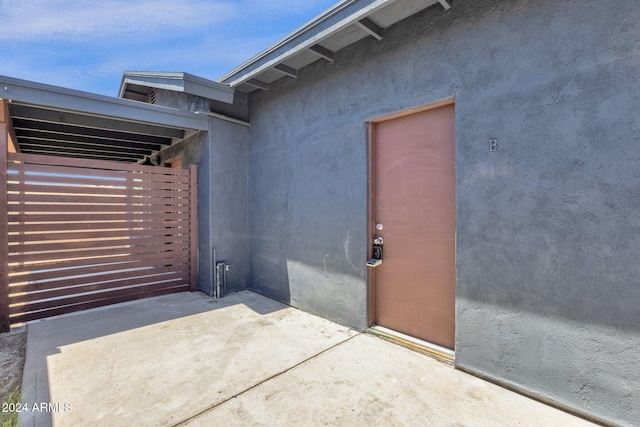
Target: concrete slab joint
133 364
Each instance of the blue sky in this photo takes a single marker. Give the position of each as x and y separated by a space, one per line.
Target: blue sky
87 44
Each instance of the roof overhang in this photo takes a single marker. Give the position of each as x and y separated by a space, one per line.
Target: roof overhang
65 122
344 24
135 85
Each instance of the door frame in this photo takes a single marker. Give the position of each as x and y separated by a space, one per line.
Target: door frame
371 169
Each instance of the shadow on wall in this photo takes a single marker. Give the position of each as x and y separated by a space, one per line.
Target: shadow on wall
308 224
269 273
321 276
316 290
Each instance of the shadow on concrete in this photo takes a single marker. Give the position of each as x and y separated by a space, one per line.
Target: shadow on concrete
182 348
117 318
47 337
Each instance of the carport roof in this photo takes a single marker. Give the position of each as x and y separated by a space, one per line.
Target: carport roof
64 122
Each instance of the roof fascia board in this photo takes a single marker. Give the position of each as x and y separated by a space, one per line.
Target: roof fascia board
219 92
306 28
159 82
39 94
350 19
179 82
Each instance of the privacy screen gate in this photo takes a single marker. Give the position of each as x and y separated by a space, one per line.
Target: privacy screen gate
78 234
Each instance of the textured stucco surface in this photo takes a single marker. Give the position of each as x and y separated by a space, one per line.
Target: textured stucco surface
548 229
180 100
228 205
221 157
306 226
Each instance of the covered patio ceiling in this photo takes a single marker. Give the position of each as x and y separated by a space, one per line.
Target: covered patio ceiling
62 122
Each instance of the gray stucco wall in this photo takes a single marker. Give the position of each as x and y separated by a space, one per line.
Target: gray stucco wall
221 155
306 217
228 151
181 100
548 229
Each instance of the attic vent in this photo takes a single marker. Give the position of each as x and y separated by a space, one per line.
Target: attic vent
152 96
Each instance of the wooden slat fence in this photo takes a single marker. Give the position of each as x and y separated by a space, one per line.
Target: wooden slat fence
87 233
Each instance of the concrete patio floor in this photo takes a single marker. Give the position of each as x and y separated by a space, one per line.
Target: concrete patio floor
189 360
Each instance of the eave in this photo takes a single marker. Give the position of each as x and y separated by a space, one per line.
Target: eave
344 24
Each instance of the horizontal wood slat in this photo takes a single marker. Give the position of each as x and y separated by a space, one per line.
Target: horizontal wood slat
70 246
21 192
75 208
32 174
74 217
166 275
93 166
94 253
86 233
41 305
68 174
92 235
51 270
28 316
84 226
101 273
20 182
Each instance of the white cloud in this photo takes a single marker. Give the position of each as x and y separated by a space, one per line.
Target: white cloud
87 44
29 20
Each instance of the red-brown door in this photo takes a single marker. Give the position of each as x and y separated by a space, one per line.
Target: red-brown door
413 171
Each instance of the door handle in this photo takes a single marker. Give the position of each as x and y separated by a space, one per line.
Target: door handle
376 253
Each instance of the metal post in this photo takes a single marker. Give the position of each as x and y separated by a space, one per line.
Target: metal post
5 325
193 205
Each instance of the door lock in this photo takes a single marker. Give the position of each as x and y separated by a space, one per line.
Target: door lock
376 253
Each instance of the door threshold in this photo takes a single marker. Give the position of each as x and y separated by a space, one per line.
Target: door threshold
441 353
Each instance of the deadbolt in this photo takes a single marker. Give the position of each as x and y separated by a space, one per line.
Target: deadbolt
379 226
